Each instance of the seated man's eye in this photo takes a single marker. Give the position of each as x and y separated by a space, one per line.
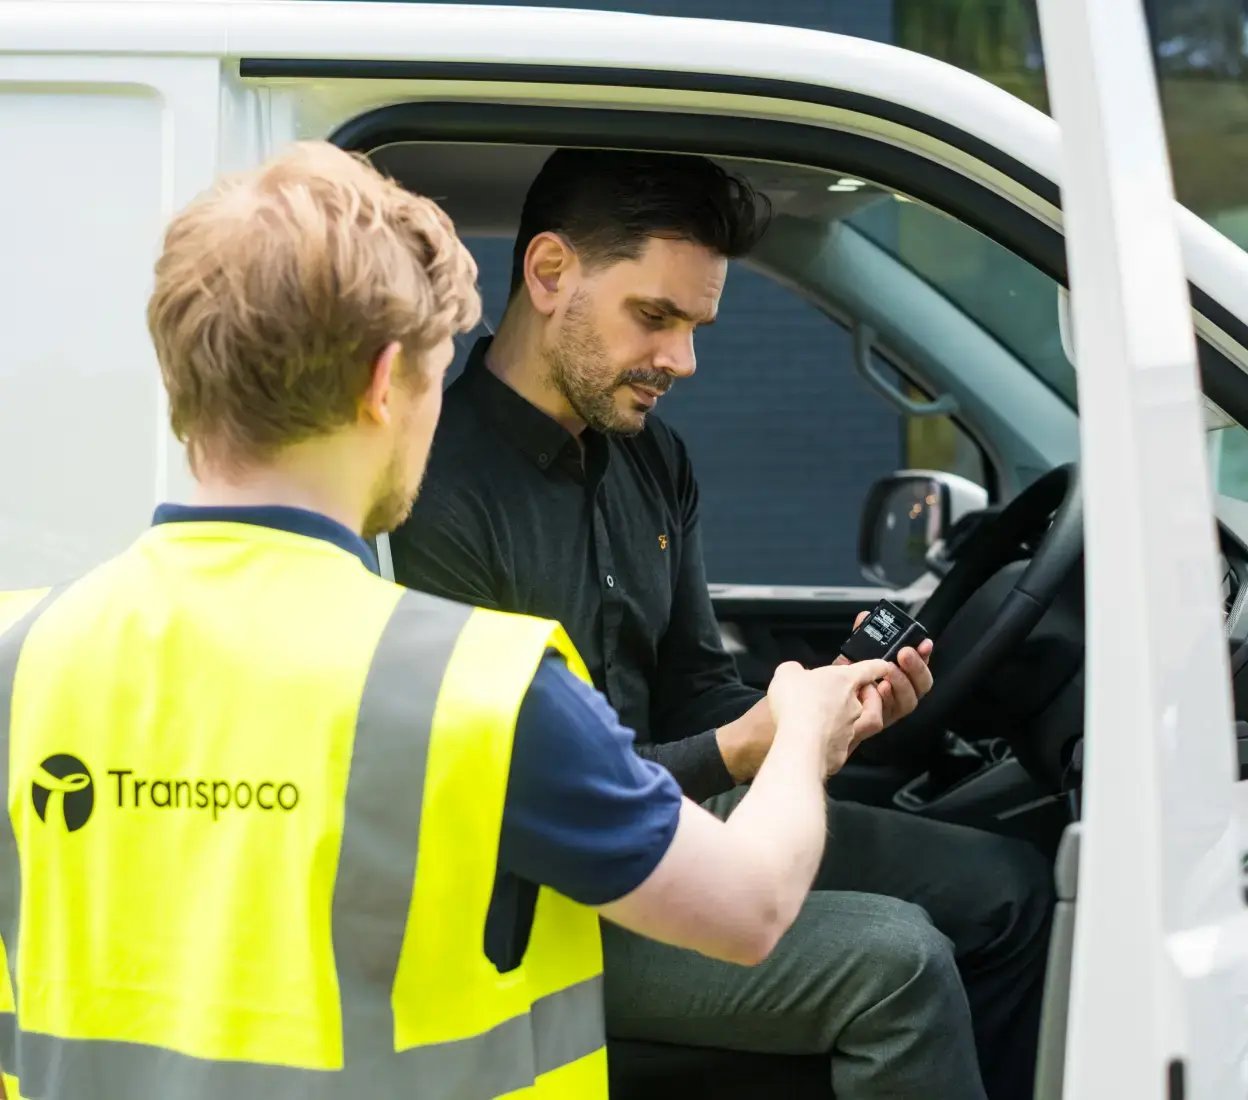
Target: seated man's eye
652 319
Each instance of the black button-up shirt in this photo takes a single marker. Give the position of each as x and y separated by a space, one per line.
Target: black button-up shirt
600 533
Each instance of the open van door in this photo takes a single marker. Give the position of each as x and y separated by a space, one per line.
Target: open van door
1159 972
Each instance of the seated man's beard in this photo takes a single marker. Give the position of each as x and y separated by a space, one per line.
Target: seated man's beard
581 370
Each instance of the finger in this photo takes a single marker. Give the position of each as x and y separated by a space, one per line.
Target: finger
905 698
916 670
841 660
888 701
858 738
868 672
925 649
865 693
871 719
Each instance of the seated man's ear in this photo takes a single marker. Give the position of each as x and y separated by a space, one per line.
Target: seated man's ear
376 401
548 261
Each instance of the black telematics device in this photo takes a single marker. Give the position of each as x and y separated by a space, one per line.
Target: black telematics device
883 634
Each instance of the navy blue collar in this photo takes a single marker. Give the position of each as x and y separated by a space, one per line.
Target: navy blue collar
298 521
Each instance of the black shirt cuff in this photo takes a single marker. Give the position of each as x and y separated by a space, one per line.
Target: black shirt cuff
695 763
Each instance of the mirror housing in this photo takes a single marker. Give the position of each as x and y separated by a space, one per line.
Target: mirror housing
905 517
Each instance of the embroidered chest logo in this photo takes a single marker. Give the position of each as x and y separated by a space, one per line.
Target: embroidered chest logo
662 542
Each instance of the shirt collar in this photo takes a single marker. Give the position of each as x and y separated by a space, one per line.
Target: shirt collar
535 434
298 521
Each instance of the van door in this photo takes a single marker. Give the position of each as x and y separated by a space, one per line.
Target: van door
1159 975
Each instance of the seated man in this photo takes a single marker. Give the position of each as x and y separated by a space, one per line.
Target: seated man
553 490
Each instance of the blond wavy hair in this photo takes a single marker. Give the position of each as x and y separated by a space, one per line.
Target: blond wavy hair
278 288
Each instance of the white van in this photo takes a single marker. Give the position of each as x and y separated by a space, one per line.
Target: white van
917 206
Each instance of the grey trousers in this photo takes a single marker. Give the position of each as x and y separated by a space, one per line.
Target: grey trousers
907 917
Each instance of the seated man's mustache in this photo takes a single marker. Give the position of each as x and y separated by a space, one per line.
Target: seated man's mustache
657 380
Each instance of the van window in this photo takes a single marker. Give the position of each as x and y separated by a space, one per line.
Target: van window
1008 298
785 437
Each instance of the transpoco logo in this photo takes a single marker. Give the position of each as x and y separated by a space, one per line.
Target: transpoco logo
62 792
214 795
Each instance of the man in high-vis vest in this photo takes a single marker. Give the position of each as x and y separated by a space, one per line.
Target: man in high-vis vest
279 828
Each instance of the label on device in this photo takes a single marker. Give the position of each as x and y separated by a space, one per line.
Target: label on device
883 634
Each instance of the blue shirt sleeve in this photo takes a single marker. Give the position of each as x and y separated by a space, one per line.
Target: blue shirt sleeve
584 813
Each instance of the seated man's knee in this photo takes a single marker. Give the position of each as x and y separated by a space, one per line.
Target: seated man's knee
906 950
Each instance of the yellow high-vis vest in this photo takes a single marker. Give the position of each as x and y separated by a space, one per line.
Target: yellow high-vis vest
254 800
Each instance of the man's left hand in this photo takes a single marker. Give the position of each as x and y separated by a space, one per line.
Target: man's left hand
892 699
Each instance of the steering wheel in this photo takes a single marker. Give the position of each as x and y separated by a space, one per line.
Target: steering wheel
994 545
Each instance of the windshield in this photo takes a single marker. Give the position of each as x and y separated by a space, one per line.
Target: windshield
1006 296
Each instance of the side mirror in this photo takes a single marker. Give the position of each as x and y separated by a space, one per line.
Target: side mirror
907 516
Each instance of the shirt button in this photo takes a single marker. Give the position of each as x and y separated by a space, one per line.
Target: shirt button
543 459
610 581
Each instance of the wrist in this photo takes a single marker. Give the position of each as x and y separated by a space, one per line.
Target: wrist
743 744
801 735
732 752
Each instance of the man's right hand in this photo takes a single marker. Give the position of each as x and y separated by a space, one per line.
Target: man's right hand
823 701
744 744
731 889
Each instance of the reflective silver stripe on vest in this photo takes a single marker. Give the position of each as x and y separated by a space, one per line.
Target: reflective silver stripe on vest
385 791
563 1027
369 914
11 642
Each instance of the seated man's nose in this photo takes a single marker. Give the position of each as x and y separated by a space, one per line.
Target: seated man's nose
678 362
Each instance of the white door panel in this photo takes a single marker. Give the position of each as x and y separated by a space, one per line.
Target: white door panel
100 151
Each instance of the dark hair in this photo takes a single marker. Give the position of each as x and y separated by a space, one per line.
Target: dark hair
607 204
